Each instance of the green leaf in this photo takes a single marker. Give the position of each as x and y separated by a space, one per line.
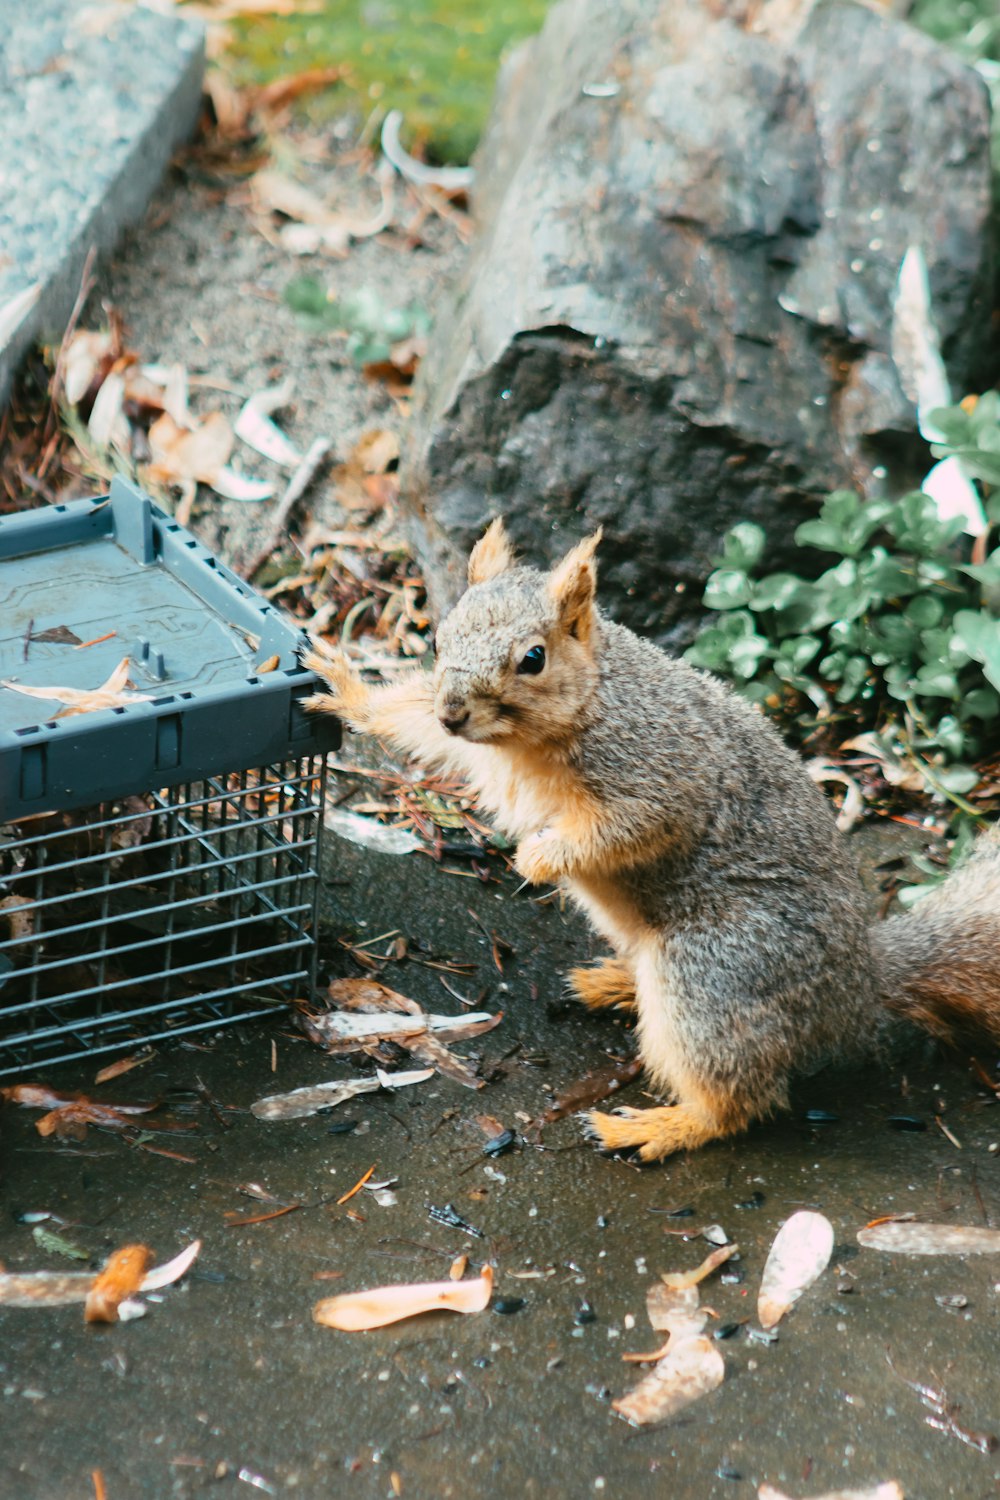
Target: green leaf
743 547
924 611
979 635
981 703
935 681
799 651
952 422
949 735
728 588
778 591
960 779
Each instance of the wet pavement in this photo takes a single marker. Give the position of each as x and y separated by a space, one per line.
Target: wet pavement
227 1387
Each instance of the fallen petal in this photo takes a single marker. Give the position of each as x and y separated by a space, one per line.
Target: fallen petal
451 179
233 486
888 1491
255 428
172 1270
679 1279
801 1252
931 1239
389 1304
690 1370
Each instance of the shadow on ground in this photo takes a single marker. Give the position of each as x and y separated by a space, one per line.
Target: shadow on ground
228 1387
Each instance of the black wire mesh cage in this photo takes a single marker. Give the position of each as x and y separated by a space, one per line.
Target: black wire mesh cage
135 914
161 914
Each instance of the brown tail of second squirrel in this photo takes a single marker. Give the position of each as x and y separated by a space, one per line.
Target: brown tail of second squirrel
938 964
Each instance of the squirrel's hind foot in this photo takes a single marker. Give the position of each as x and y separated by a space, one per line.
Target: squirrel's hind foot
607 985
655 1133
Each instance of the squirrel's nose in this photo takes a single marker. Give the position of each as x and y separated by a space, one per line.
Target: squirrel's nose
454 719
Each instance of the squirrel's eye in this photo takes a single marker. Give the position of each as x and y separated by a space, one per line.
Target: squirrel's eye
532 661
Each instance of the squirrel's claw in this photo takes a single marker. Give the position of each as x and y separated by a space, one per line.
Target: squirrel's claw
347 694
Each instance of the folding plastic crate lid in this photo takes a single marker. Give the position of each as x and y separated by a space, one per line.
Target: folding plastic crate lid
195 634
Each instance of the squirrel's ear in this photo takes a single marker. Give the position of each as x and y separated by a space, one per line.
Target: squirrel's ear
573 584
492 554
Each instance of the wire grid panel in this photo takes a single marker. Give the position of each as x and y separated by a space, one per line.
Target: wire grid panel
170 912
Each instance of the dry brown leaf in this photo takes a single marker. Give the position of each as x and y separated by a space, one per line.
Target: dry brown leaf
893 770
110 694
40 1096
800 1253
284 91
363 483
122 1275
21 924
675 1311
430 1049
123 1065
355 1311
692 1368
182 454
273 192
931 1239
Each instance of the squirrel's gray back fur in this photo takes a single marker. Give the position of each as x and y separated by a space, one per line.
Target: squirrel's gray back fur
762 912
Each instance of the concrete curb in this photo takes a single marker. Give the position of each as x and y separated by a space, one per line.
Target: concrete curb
93 101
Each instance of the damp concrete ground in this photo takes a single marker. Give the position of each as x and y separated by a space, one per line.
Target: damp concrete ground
227 1387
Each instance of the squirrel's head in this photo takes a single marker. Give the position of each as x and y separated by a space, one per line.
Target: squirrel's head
515 657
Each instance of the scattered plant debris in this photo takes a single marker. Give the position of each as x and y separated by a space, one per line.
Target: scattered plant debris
314 1098
355 1311
448 1215
59 1288
944 1415
930 1239
890 1490
370 1014
800 1253
589 1091
112 693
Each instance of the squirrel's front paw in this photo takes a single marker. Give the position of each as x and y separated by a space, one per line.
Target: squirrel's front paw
540 858
348 695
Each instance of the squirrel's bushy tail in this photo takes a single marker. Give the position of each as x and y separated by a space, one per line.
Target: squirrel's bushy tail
939 963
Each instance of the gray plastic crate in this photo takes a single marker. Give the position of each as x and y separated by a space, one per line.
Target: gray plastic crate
158 859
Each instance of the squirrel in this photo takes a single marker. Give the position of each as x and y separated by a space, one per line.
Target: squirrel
693 838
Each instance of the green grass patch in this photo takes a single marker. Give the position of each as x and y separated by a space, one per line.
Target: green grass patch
436 60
